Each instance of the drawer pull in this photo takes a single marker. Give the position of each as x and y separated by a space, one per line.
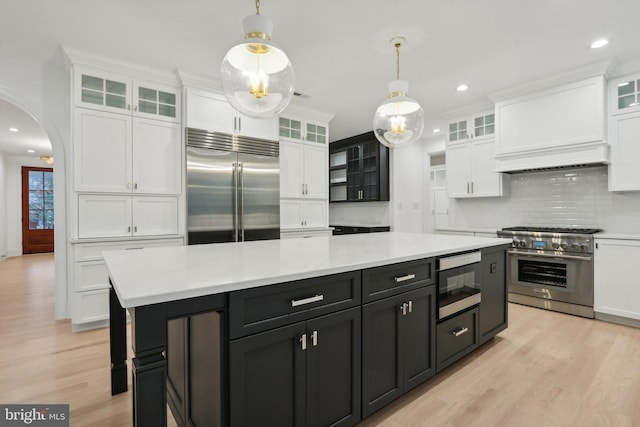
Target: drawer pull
295 303
459 331
405 277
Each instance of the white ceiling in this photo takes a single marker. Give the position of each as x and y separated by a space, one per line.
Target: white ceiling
339 49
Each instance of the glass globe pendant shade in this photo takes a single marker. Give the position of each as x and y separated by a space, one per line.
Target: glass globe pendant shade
257 76
399 120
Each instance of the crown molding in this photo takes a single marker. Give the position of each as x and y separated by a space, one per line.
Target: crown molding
468 110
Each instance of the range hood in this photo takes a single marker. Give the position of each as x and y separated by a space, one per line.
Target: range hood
556 127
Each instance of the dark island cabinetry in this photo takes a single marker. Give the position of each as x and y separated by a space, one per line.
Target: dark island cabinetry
493 312
398 331
358 170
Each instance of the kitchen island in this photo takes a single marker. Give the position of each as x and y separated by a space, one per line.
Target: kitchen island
285 331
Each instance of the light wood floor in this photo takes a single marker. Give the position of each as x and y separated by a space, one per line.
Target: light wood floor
546 369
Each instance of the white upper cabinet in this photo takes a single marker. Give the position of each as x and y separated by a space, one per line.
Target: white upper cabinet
476 127
296 129
552 127
114 153
212 112
471 170
304 170
624 95
624 133
104 91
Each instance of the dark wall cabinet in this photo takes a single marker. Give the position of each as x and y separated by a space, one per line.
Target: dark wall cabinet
358 170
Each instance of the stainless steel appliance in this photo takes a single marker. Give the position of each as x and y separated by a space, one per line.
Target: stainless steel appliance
458 283
551 268
233 188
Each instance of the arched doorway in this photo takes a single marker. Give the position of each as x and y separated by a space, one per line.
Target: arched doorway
50 144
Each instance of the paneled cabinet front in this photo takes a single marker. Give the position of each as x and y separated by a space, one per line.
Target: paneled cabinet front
471 170
303 170
119 154
211 111
398 346
304 374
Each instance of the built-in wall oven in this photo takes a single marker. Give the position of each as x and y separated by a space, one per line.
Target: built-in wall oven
458 283
551 268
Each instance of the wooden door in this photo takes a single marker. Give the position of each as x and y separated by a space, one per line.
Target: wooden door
37 210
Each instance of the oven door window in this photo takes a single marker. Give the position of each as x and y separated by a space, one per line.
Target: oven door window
542 273
458 284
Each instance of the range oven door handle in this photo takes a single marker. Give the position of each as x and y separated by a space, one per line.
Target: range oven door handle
543 255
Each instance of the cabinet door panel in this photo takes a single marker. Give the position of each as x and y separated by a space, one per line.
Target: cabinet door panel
381 353
333 369
458 179
104 216
209 112
291 169
257 128
315 213
486 182
157 157
102 91
625 152
267 376
290 213
102 151
155 215
316 171
156 102
419 330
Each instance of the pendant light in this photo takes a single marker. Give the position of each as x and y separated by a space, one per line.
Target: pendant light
257 76
399 120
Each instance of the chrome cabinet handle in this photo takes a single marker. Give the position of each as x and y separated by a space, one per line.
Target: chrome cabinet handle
314 338
399 279
467 188
459 331
472 187
410 303
403 308
129 229
239 124
296 303
135 186
241 216
303 341
135 229
235 119
234 178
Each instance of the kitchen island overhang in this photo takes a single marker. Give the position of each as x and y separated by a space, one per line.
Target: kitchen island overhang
159 284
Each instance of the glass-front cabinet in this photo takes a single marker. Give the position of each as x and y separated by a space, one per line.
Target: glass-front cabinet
118 94
296 130
478 126
624 94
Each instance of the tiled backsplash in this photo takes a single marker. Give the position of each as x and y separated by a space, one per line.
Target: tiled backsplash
570 197
369 213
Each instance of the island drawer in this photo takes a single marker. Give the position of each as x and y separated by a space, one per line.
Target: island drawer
394 279
456 337
266 307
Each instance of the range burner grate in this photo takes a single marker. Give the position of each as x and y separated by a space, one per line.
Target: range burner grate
553 230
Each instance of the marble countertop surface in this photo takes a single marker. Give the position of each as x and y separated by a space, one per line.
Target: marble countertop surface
155 275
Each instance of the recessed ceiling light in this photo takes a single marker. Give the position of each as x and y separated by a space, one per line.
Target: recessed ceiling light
436 130
462 88
14 130
599 43
31 151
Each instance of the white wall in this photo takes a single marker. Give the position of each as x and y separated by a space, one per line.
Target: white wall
34 78
3 208
407 188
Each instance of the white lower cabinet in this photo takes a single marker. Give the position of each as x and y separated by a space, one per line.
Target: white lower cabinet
297 213
91 279
617 284
102 216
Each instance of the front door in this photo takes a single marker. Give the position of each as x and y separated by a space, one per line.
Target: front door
37 210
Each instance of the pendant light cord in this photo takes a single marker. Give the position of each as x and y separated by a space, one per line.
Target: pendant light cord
397 61
257 7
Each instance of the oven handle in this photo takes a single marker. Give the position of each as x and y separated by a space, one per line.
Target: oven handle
575 257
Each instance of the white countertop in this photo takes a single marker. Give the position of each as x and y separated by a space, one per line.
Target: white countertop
469 229
154 275
616 236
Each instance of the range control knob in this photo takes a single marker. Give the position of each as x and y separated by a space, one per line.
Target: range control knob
563 246
584 247
555 245
522 243
575 246
515 243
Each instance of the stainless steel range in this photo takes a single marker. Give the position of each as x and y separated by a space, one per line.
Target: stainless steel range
551 268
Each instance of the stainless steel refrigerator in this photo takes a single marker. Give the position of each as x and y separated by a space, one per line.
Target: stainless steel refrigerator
233 188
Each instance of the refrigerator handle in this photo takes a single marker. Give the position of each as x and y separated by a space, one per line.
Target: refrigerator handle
235 201
241 197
